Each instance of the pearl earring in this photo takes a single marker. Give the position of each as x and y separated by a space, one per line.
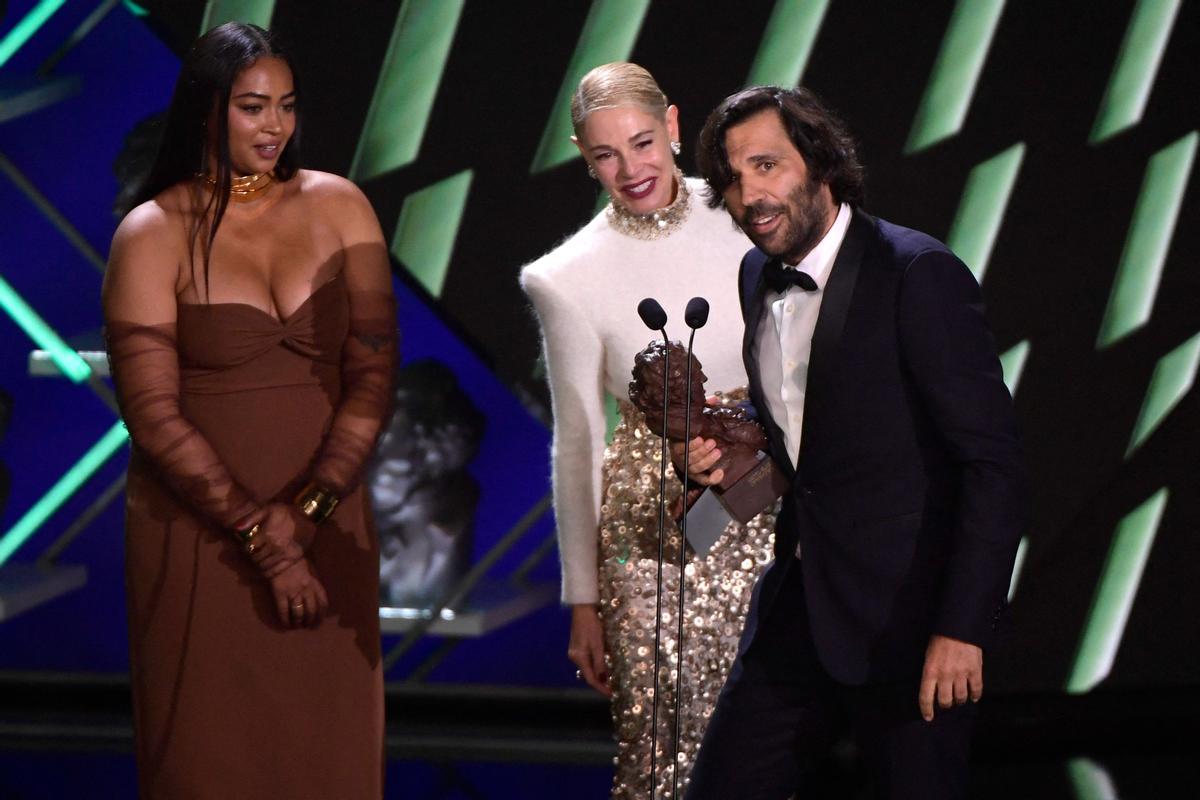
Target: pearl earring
592 172
676 148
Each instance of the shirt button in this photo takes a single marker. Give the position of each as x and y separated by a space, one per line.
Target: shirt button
791 364
788 308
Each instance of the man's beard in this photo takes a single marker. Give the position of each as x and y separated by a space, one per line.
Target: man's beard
801 232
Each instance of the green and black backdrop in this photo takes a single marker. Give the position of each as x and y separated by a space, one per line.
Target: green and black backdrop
1051 144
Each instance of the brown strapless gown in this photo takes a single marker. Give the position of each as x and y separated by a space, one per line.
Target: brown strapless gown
228 703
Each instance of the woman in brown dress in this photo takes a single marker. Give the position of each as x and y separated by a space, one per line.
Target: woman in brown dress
251 330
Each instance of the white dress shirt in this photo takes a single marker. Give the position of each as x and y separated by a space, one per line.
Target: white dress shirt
784 338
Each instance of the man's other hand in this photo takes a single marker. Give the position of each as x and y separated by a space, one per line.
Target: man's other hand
953 674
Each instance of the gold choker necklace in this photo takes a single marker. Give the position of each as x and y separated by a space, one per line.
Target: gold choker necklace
244 189
659 222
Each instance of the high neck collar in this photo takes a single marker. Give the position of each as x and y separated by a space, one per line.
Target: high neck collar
657 224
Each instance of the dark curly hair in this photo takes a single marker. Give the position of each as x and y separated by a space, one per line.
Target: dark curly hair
819 134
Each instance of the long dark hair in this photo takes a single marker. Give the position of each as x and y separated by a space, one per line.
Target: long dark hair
202 93
820 136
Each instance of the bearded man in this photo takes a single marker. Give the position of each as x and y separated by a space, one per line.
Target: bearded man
874 373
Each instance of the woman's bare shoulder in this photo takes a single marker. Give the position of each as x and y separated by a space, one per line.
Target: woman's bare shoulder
340 202
152 239
327 186
149 225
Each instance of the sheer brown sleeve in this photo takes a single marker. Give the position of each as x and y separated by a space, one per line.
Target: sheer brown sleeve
145 369
139 315
368 365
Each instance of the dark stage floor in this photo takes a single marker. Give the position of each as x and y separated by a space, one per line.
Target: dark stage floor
51 775
69 736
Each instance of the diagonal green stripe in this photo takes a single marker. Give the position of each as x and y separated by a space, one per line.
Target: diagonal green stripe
26 27
1013 364
1174 376
787 42
1119 581
62 490
608 34
427 228
218 12
1090 781
981 209
407 87
63 356
956 72
1136 68
1145 253
1018 566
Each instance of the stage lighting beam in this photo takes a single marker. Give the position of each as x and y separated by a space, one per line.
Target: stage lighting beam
26 27
1115 593
788 42
956 72
428 225
1174 375
63 355
981 209
1135 68
1012 362
218 12
1091 781
1018 566
608 34
407 87
1139 271
63 489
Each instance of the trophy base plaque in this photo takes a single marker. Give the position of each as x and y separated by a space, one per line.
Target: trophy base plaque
756 489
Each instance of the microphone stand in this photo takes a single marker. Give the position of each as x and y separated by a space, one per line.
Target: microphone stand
695 316
655 318
664 455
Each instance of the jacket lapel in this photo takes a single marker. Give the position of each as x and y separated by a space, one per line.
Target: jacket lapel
835 303
753 296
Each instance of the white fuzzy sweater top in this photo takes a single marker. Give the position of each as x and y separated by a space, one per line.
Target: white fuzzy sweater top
586 292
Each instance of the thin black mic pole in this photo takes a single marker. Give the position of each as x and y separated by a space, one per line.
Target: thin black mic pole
656 319
696 315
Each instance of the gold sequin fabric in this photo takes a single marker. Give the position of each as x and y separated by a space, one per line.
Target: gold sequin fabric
717 592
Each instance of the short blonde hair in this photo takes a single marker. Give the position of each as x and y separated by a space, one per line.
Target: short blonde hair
617 84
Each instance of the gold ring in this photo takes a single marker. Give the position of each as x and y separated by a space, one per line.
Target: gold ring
251 547
295 606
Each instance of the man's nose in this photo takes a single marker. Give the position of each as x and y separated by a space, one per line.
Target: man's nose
751 191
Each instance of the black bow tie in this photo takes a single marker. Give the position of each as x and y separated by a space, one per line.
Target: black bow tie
780 279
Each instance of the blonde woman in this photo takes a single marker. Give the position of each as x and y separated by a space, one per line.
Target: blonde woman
657 238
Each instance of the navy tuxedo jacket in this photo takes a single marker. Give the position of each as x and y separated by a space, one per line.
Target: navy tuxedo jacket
908 497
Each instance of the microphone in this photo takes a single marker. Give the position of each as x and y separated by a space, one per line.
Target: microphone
653 315
651 312
695 315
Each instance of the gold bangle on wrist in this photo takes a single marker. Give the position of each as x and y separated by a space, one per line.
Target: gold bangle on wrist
316 503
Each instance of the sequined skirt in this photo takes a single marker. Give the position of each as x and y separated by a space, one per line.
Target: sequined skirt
717 591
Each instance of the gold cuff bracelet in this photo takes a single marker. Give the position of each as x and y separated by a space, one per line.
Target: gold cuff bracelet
316 503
